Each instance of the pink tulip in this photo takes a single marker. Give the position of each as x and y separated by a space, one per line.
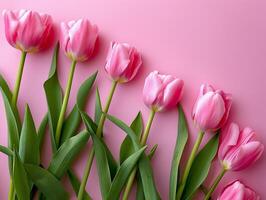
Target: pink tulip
211 109
28 31
78 39
239 149
238 191
162 92
123 62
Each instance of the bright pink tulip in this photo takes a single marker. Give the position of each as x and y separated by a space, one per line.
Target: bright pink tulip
239 149
28 31
123 62
211 109
78 39
162 92
238 191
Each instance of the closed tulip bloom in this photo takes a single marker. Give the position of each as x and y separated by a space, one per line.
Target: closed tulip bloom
123 62
239 149
162 92
28 31
211 109
78 39
238 191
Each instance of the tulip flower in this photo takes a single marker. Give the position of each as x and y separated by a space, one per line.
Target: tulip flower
210 113
77 39
122 64
238 191
28 31
211 109
237 150
162 92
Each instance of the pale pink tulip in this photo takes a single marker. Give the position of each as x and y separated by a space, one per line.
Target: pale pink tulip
123 62
28 31
211 109
78 39
238 191
162 92
239 149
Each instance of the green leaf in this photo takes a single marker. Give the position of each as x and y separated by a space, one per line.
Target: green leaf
6 90
127 130
48 184
140 193
98 107
54 97
75 182
42 130
66 153
6 151
20 179
200 167
13 127
127 147
181 140
92 127
145 169
73 120
123 173
29 143
101 160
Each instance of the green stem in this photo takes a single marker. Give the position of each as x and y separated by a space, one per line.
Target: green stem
142 142
189 164
14 104
19 77
215 183
11 194
99 133
65 102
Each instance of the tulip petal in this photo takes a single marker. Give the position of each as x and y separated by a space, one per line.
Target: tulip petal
229 139
247 155
234 191
173 93
151 89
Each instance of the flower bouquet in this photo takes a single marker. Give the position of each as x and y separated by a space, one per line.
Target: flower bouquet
31 32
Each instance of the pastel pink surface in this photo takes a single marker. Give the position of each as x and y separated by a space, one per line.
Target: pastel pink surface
218 42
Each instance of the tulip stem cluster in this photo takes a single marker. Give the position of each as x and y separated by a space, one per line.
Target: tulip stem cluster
19 77
142 142
65 102
99 133
189 164
215 183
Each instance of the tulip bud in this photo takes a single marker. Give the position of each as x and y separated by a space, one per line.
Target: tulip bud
78 39
162 92
211 109
238 191
28 31
239 149
123 62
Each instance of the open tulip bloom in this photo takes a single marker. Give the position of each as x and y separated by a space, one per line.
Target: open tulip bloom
31 32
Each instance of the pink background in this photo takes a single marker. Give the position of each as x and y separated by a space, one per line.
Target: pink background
218 42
